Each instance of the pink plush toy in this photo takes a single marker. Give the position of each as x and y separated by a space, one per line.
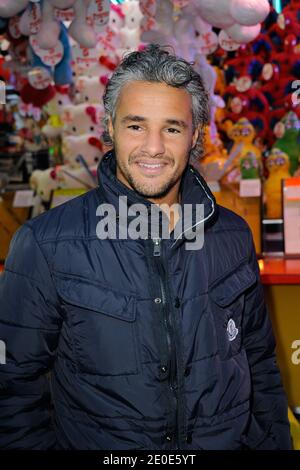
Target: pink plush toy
79 30
239 18
9 8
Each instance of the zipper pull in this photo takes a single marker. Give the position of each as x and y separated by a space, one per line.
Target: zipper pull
156 249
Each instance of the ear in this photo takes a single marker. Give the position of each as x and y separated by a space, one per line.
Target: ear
110 128
195 136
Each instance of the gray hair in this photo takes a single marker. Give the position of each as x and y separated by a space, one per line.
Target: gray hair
155 64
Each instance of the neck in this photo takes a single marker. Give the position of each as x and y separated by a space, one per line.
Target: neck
167 201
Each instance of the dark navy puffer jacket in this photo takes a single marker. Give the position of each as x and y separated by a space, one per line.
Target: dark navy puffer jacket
149 345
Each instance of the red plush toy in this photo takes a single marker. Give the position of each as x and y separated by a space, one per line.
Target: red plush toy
245 62
289 59
286 24
37 98
242 97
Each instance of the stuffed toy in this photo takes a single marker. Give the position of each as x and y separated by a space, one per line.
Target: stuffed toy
243 63
278 165
86 145
163 30
130 34
9 8
250 166
54 108
38 98
242 97
288 60
90 89
288 133
239 18
43 182
79 30
214 159
262 47
62 71
285 25
209 76
83 119
243 134
110 40
293 7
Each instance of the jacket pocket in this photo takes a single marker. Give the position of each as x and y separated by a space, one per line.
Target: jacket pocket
228 301
104 326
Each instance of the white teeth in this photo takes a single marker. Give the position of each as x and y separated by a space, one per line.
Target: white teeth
150 166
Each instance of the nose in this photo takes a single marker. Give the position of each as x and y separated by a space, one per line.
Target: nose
153 143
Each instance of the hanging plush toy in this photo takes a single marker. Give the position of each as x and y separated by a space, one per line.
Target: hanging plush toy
209 76
239 18
9 8
61 68
278 165
79 30
130 34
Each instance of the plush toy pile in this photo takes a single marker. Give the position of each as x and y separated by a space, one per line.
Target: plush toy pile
62 52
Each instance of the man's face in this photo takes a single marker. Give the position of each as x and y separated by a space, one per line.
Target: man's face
153 136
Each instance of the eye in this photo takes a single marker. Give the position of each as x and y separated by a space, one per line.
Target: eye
60 102
92 129
172 130
74 129
134 127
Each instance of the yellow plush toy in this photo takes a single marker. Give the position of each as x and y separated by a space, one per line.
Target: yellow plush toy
214 159
243 134
278 165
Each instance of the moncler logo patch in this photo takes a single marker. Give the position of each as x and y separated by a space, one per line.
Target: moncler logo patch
232 330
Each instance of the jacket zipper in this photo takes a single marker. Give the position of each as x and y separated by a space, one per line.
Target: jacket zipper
168 324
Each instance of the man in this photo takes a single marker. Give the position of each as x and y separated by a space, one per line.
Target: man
151 344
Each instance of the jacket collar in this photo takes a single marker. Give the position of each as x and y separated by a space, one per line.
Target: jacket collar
194 190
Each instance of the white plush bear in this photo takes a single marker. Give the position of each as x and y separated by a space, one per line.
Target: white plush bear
83 119
43 182
90 89
55 108
110 40
86 145
130 34
79 30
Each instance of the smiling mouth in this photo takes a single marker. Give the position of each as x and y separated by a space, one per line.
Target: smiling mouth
148 168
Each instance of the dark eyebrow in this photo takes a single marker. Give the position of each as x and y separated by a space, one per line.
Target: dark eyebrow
136 118
131 117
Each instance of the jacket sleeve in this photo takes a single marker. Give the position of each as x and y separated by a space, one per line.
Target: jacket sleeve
30 324
269 403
